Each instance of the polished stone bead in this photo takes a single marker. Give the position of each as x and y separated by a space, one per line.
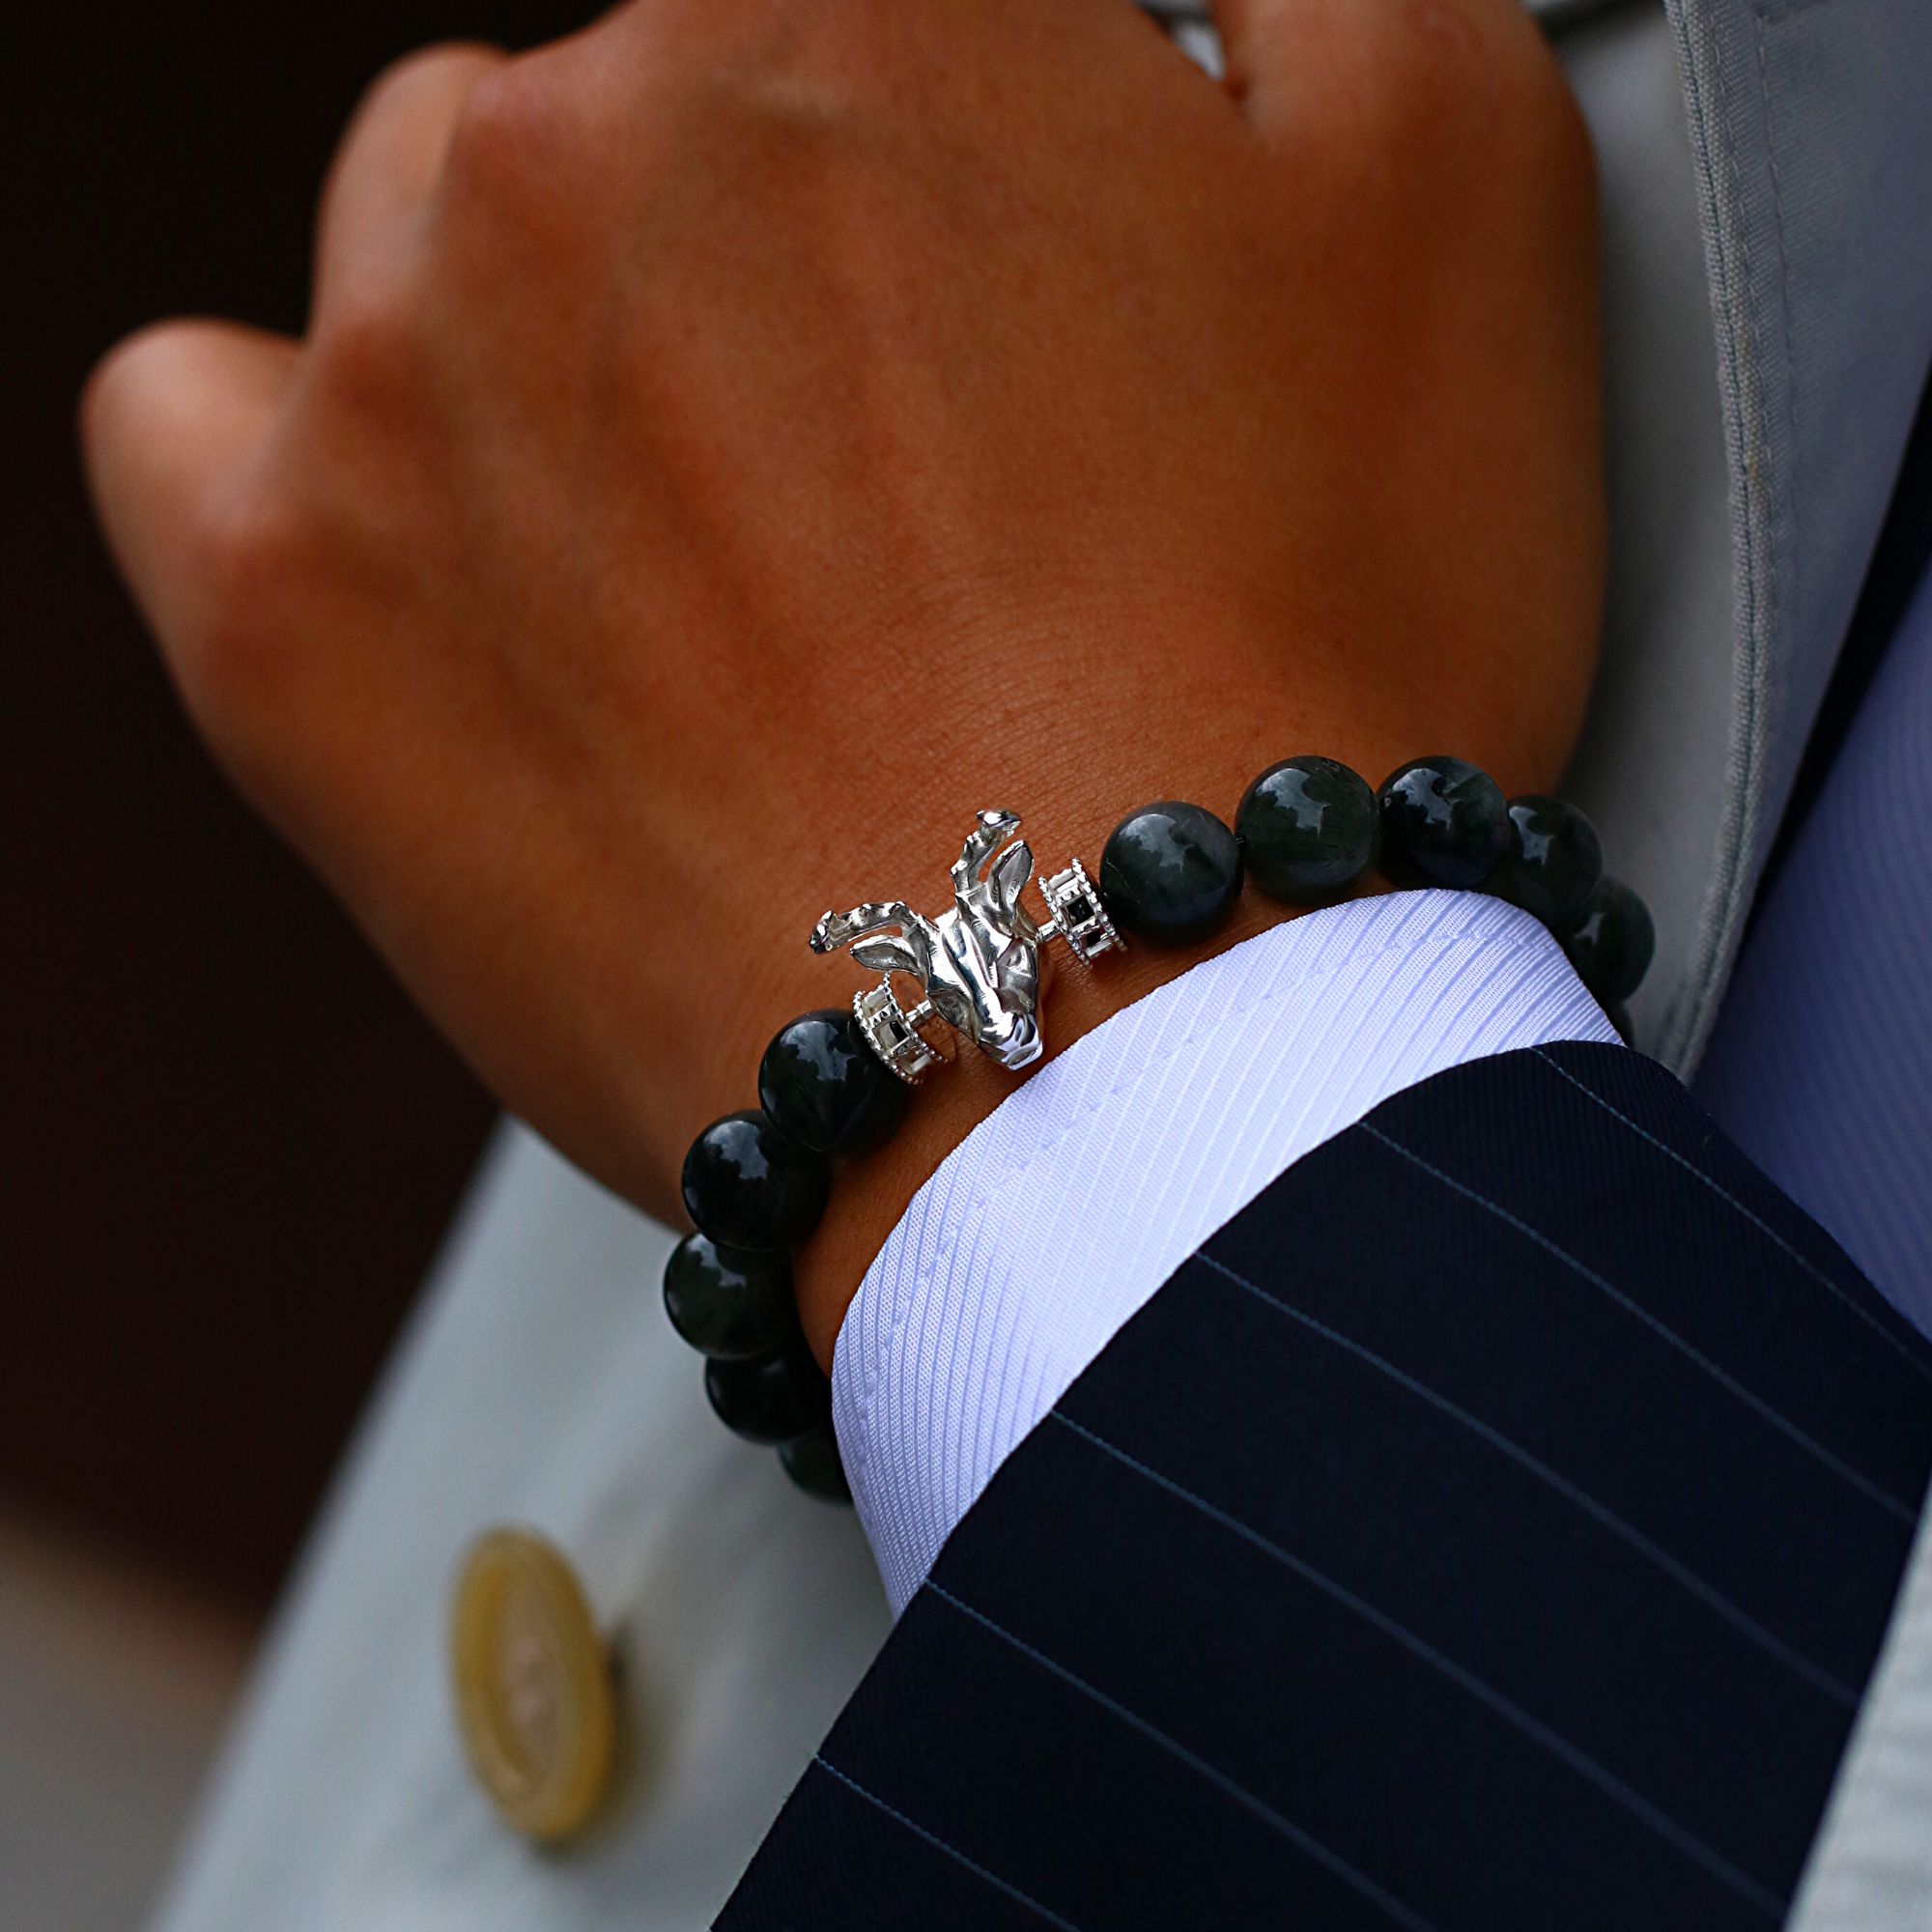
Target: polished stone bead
774 1397
824 1087
728 1302
748 1187
1170 874
1308 830
1611 943
1444 823
812 1462
1553 862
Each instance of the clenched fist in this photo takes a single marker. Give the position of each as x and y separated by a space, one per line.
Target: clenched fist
735 444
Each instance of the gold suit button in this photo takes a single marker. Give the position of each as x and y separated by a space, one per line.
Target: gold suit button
534 1689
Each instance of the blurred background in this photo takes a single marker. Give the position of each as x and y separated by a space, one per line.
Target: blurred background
228 1143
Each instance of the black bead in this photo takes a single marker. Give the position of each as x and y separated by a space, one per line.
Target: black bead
773 1398
1170 874
1611 943
1553 862
812 1462
725 1302
748 1187
824 1087
1444 823
1308 830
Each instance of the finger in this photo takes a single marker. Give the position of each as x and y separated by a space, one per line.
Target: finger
390 158
172 421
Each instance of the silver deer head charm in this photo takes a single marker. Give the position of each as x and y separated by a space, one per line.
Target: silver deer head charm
979 962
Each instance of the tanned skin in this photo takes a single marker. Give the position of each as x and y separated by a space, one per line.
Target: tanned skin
732 445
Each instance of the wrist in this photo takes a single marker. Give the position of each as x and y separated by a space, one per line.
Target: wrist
874 1193
1074 998
1308 830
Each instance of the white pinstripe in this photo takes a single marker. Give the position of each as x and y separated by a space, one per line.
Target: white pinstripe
1056 1220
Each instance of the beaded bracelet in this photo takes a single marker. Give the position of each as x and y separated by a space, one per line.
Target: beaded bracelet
835 1084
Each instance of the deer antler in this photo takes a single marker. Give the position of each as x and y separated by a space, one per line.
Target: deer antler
1008 880
911 952
987 836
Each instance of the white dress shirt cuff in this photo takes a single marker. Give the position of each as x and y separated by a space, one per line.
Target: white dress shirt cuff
1059 1216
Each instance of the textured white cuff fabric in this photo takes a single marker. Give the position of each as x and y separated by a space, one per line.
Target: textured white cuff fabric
1059 1216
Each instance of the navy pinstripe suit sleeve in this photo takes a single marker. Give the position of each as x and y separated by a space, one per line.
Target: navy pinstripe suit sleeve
1494 1524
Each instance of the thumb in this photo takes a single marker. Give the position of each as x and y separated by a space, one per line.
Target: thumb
171 421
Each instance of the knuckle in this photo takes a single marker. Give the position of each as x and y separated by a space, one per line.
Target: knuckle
424 68
506 142
391 84
528 173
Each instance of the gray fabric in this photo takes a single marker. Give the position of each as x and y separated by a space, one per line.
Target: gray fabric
1812 124
1871 1867
1804 129
1650 769
539 1383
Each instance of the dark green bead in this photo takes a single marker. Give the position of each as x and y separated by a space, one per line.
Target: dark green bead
725 1302
1308 830
825 1088
1170 874
748 1187
1444 823
1553 862
1611 943
774 1397
812 1462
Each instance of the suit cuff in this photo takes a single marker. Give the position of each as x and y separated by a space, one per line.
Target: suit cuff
1059 1216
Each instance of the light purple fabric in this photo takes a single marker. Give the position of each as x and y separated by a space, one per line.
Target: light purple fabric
1821 1066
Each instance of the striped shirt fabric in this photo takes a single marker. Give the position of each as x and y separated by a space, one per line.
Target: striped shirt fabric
1061 1213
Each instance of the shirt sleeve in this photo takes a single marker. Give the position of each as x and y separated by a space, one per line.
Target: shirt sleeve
1059 1215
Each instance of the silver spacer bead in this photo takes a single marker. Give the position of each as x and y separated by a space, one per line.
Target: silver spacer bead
1078 916
892 1033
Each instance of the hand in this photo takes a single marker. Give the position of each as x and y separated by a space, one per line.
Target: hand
734 444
